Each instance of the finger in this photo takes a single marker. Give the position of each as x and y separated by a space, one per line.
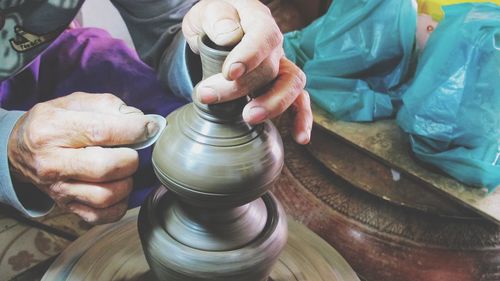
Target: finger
289 84
303 119
262 37
99 216
218 19
80 129
221 23
95 195
90 164
191 26
104 103
217 88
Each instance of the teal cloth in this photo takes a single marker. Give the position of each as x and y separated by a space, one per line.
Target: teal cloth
452 107
357 56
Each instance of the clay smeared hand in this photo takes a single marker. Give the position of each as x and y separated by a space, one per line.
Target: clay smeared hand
256 62
65 147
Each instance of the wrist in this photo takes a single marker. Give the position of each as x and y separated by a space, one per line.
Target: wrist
13 152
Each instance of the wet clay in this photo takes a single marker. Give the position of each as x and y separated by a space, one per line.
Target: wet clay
113 253
218 222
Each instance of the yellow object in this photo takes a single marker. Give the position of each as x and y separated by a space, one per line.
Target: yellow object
434 7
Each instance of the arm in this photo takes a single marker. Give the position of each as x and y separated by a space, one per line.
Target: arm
155 27
31 202
153 24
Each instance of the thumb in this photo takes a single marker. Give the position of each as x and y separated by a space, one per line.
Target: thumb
218 19
222 24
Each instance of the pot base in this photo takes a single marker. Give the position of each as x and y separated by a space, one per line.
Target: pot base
113 252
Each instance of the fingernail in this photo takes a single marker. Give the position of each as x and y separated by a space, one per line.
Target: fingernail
236 70
207 95
125 109
303 138
225 26
258 114
153 129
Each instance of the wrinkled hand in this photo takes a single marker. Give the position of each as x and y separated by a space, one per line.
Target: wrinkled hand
255 62
64 147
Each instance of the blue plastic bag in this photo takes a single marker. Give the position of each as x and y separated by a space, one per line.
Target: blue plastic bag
356 56
452 107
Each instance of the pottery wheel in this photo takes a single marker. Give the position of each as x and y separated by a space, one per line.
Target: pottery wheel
113 252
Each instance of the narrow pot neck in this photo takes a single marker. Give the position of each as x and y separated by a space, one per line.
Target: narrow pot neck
212 61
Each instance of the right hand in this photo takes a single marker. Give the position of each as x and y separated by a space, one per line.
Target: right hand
256 63
67 147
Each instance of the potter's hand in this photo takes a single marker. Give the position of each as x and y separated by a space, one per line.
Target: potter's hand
255 62
63 147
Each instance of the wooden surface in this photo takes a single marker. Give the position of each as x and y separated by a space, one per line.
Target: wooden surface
371 175
113 252
386 142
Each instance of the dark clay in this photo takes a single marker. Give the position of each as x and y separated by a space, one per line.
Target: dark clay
217 222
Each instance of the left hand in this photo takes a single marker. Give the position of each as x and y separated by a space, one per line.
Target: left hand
256 61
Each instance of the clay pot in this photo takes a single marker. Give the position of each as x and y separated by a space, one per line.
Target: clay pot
217 222
210 157
172 260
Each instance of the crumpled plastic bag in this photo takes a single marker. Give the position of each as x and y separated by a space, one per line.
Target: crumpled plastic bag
357 56
452 107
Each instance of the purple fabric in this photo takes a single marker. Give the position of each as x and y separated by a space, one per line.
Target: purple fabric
89 60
